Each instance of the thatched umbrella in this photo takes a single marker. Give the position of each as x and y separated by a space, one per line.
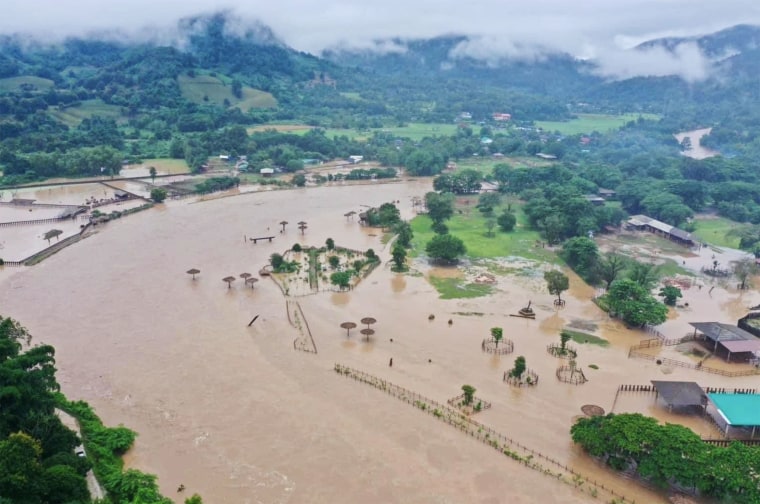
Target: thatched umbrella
283 224
251 281
369 321
302 227
592 410
53 233
367 332
229 281
245 276
193 271
348 326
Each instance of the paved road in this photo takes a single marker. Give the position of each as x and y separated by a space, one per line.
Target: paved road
96 491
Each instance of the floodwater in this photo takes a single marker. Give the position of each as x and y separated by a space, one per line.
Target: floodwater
237 415
696 151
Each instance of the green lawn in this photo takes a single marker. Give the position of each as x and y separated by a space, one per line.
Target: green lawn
470 227
582 338
14 83
72 116
207 89
588 123
413 131
713 230
456 288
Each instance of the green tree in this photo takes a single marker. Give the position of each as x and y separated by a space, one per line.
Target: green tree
497 333
445 248
490 224
469 393
744 269
644 274
330 244
20 468
506 221
440 207
670 294
158 195
634 305
581 254
398 253
334 261
277 261
342 279
519 367
153 173
404 234
194 499
609 267
557 283
564 337
299 179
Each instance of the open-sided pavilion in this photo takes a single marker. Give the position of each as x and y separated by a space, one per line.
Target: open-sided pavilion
681 395
727 341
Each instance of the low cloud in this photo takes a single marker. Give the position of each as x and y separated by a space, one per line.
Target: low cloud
498 29
685 61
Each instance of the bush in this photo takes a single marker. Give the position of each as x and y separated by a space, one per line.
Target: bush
296 247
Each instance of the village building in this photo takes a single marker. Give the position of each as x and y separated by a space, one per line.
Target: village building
594 199
500 116
606 193
644 223
548 157
266 172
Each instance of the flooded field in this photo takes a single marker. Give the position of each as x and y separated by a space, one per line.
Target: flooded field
237 415
74 194
696 150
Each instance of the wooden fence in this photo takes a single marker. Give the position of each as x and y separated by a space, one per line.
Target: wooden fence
529 378
571 374
52 220
491 346
509 447
52 249
699 366
305 342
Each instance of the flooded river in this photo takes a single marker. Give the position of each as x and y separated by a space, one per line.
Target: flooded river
237 415
696 150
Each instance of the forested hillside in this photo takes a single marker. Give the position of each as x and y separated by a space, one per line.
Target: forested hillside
85 106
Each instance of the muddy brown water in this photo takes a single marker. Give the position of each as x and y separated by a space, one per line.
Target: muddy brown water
696 151
234 413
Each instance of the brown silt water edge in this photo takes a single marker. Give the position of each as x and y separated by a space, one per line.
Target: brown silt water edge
237 415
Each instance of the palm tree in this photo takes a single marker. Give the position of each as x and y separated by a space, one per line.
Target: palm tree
152 172
193 271
229 281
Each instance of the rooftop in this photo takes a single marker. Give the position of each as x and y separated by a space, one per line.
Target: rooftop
717 331
738 409
680 393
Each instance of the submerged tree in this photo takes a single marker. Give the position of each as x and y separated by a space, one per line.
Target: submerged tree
519 367
670 294
497 333
744 269
609 267
469 393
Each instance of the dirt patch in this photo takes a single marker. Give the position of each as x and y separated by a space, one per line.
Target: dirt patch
485 278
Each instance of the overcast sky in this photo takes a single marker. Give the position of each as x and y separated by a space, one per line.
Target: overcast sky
585 28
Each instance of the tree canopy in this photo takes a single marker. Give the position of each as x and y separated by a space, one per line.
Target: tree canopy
446 248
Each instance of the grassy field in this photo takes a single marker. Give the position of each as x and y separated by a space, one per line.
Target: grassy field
485 164
588 123
413 131
72 116
456 288
166 165
713 230
470 227
13 83
583 338
200 87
